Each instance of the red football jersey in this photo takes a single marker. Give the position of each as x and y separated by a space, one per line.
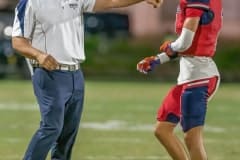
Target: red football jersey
205 40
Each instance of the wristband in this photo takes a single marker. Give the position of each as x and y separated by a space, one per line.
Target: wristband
163 57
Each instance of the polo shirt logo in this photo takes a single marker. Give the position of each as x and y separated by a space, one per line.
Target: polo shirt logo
73 4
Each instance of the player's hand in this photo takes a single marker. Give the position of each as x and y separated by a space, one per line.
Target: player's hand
155 3
47 61
147 64
166 47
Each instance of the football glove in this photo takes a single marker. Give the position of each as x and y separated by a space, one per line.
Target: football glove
166 47
148 64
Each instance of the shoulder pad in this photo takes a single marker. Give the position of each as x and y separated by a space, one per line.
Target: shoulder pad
207 17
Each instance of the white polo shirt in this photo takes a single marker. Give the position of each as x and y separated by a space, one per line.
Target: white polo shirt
55 27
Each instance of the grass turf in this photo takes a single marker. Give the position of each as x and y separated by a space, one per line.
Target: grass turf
118 121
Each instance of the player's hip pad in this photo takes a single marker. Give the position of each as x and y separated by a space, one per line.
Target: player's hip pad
193 107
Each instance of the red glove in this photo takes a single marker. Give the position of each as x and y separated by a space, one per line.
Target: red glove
166 47
147 64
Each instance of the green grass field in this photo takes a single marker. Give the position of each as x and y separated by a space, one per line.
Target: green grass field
118 121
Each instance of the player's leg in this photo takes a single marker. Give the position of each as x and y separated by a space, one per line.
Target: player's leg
63 146
193 116
165 134
194 143
51 100
168 118
194 106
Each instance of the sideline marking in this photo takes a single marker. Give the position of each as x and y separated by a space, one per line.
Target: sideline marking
107 125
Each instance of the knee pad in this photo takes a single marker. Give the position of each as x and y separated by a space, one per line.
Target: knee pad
193 107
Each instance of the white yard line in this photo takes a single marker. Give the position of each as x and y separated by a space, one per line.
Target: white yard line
213 129
11 157
17 157
125 158
107 125
12 140
17 106
116 125
124 125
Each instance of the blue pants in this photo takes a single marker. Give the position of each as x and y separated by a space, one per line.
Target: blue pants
60 97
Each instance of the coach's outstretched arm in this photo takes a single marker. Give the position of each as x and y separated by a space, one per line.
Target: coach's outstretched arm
107 4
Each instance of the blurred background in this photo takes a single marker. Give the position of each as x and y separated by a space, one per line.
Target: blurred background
120 103
116 40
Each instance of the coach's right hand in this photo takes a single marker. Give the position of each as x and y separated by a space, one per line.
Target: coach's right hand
47 61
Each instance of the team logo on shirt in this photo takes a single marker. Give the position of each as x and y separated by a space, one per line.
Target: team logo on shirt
73 4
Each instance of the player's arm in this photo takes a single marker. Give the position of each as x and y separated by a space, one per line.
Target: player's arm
107 4
171 50
184 41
